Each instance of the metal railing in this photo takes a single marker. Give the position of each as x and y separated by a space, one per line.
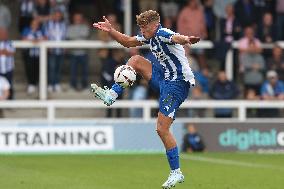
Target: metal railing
146 105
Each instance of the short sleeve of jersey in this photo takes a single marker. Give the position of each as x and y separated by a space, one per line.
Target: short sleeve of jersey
166 35
141 39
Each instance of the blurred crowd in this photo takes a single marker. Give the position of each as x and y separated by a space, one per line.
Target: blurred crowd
259 73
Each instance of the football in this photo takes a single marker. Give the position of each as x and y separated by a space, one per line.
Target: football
125 76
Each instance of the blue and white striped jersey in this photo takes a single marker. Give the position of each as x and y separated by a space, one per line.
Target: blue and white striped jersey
6 62
170 55
55 31
32 35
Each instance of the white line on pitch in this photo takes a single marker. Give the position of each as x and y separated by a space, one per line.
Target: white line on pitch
230 162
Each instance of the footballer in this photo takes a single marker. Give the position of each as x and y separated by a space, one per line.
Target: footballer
172 77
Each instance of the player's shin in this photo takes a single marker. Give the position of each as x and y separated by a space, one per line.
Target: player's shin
173 158
176 175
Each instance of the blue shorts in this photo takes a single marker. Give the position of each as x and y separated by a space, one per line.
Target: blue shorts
172 93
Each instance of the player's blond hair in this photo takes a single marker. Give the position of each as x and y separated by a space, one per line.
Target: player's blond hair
147 17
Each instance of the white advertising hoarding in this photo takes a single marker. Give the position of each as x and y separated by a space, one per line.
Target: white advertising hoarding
47 139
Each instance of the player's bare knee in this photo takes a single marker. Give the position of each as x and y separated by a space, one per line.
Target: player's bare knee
135 62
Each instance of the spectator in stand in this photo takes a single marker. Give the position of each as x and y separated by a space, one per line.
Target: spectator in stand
223 89
31 59
4 91
280 19
26 14
272 89
188 26
5 16
252 64
78 30
276 62
203 78
192 141
55 30
27 11
7 52
112 61
230 27
42 10
266 30
196 27
246 13
209 18
139 92
230 31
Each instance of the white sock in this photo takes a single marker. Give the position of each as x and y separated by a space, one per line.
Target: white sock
113 94
177 170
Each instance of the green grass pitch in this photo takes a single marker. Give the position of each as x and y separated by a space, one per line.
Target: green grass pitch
126 171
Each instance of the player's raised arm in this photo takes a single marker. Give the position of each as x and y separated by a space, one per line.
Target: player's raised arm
182 39
121 38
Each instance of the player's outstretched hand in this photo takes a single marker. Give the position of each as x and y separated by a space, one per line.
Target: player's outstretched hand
105 26
193 39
